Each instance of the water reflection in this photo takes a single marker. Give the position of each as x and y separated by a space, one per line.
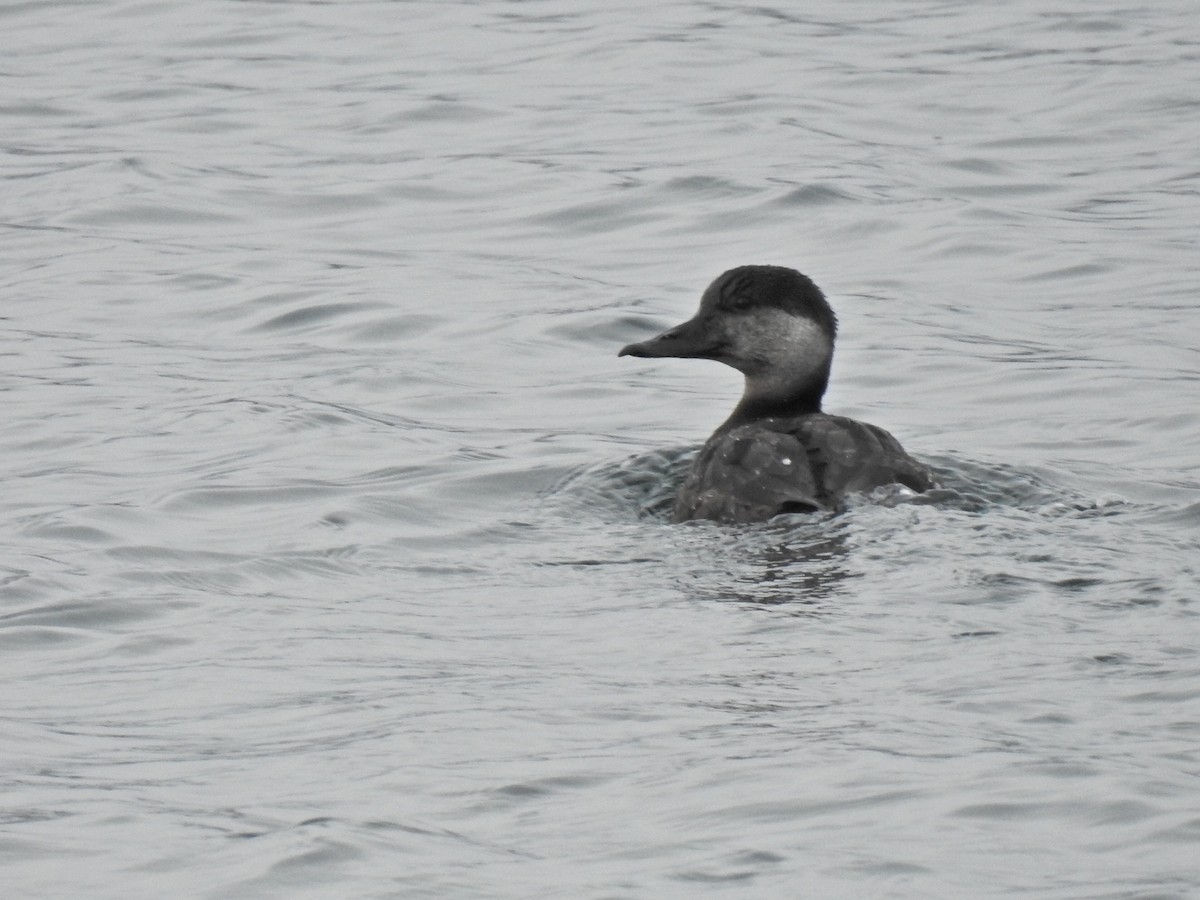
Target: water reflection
798 562
795 564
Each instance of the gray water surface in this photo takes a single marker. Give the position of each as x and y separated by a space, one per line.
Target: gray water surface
334 562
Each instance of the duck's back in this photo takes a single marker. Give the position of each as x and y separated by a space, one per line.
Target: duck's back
753 471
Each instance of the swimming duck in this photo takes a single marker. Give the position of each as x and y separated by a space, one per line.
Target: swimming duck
778 452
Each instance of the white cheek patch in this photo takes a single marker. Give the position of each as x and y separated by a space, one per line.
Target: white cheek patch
784 347
780 352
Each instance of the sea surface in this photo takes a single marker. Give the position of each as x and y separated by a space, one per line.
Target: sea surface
334 560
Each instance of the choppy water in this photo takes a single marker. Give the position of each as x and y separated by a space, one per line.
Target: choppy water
333 562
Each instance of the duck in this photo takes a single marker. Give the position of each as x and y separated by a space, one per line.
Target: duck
778 452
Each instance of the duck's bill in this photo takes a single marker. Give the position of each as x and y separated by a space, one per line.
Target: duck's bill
687 341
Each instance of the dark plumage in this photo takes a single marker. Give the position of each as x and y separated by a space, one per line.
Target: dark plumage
777 452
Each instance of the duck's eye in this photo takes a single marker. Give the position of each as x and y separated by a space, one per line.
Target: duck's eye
737 291
737 302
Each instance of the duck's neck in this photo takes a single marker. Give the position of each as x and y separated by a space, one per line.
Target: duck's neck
764 400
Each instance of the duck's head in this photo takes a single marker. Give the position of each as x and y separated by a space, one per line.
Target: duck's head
770 323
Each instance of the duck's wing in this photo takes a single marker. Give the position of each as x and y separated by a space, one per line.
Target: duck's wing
749 474
756 471
849 456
